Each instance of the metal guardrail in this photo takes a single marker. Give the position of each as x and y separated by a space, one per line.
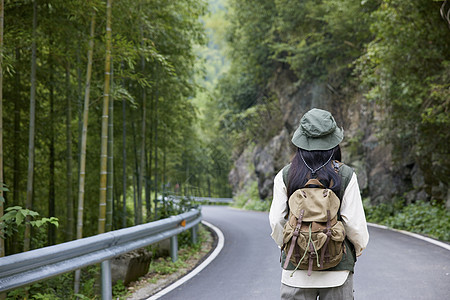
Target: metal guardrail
28 267
198 199
213 200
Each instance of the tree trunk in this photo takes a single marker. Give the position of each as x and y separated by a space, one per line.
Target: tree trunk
149 157
137 207
104 136
80 102
148 183
51 237
69 179
2 199
142 173
82 172
124 165
156 154
209 187
164 163
13 241
134 198
29 199
110 190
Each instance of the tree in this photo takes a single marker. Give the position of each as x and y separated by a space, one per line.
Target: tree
104 137
110 179
405 71
69 199
29 200
2 199
65 29
124 164
82 171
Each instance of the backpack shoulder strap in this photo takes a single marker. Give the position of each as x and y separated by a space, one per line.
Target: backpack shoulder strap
285 174
345 172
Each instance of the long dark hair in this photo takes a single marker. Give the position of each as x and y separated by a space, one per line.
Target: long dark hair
299 173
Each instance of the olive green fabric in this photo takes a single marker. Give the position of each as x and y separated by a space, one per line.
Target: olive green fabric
348 256
317 131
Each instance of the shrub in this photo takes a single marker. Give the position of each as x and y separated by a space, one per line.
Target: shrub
421 217
249 199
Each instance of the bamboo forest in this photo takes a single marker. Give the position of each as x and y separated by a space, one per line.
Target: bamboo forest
107 107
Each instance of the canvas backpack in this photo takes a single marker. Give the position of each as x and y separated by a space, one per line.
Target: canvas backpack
313 236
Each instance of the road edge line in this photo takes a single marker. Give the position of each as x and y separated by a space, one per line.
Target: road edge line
199 268
415 235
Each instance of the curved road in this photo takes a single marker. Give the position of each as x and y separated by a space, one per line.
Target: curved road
394 266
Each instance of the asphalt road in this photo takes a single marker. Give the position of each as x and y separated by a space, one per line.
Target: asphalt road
394 266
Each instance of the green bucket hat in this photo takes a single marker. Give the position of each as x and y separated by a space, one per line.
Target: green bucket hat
317 131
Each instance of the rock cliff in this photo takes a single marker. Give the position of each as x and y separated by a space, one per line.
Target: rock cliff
362 148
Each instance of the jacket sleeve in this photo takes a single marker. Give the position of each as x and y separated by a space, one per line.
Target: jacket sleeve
353 216
278 209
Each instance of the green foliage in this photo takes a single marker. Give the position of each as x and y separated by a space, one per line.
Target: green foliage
171 206
426 218
378 213
4 189
60 287
257 205
15 218
187 250
243 85
119 289
313 40
40 296
166 266
249 199
175 206
154 62
320 39
395 53
248 34
406 71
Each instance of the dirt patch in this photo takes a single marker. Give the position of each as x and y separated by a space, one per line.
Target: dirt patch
153 282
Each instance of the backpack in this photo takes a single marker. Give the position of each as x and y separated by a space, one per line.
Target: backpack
313 236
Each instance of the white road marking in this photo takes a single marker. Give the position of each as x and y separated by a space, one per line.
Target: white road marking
417 236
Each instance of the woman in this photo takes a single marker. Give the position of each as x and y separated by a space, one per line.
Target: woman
318 154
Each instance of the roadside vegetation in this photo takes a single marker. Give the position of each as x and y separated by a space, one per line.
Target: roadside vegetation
430 219
248 199
162 271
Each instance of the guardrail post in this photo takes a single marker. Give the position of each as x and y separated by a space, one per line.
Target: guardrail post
106 280
194 234
174 248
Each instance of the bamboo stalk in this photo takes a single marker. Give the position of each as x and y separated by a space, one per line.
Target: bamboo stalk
82 172
104 133
29 199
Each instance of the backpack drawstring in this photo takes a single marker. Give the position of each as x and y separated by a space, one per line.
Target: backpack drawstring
306 250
